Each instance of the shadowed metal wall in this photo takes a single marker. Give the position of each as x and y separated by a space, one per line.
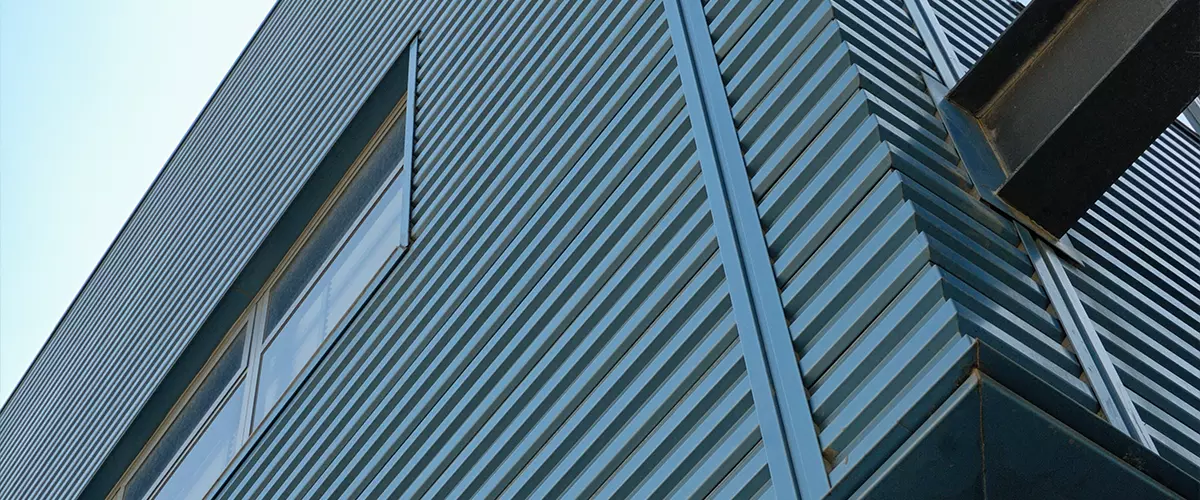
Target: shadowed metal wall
885 259
1139 278
566 321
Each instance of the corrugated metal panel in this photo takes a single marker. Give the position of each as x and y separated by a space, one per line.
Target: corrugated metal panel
1140 277
268 125
560 325
884 257
972 25
1140 285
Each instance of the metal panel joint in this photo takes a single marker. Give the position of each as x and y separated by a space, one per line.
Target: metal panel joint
786 423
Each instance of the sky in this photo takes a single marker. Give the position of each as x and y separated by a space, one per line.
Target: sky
94 97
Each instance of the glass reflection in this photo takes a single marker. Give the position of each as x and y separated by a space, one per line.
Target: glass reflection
205 397
330 298
210 454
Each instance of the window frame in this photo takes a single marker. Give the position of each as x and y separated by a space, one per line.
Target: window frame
338 192
254 316
188 394
262 339
194 437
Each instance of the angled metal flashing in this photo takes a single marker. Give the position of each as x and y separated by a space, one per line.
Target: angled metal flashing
1097 363
789 434
1047 255
949 68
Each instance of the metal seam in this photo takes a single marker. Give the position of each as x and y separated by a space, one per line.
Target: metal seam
786 421
1097 364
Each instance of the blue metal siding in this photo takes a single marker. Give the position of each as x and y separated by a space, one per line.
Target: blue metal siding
885 259
187 240
1138 284
972 25
1139 281
565 321
582 342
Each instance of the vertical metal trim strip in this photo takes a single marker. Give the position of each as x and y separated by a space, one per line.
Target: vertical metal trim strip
1093 357
258 324
936 43
786 422
410 112
1097 364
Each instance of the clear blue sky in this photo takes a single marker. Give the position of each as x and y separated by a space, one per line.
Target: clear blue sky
94 97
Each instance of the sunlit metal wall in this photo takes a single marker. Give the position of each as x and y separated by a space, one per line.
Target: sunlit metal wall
886 260
581 310
561 324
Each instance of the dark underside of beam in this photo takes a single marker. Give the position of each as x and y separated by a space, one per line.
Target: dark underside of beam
1074 92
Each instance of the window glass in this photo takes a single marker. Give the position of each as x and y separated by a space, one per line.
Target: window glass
339 285
364 254
327 234
189 417
210 454
358 230
288 352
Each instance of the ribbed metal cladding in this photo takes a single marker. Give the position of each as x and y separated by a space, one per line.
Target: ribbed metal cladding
886 262
1139 280
288 96
1140 285
562 296
560 325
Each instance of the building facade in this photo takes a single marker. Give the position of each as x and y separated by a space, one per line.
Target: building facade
617 248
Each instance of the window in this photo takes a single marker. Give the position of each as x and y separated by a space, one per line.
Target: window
342 255
225 374
351 242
